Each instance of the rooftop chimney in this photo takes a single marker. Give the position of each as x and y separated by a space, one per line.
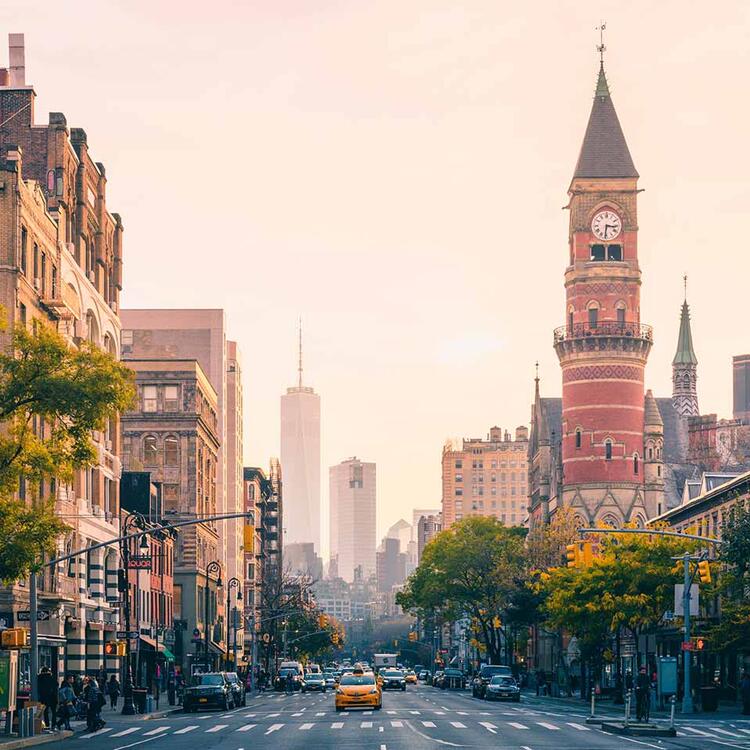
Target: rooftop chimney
17 66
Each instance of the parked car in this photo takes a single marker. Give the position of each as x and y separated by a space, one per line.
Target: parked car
209 690
424 675
392 679
437 678
238 689
314 681
453 678
486 673
502 688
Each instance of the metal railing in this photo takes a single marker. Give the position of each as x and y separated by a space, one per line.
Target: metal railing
603 328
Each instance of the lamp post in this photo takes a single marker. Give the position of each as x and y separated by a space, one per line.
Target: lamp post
212 567
132 521
232 583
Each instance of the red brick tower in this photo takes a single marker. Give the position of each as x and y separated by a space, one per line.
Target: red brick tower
603 347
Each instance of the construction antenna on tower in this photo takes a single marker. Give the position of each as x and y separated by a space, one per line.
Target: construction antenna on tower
299 363
601 28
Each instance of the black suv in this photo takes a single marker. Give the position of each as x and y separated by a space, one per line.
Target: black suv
486 673
238 688
209 690
393 679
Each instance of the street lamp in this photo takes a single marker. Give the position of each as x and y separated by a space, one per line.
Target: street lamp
212 567
232 583
134 520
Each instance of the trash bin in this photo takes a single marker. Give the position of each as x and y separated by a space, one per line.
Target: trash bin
139 699
709 698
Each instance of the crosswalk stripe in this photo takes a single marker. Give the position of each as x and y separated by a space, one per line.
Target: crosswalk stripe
247 727
458 725
337 725
462 713
489 726
428 723
249 716
217 728
97 733
547 726
440 713
320 713
307 726
126 731
416 713
397 724
580 727
697 731
516 725
274 728
185 730
272 716
724 731
746 731
366 725
158 730
299 713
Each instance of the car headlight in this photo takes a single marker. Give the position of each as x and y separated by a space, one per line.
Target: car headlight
339 691
374 690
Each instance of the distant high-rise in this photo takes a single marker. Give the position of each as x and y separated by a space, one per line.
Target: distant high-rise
741 382
353 500
300 457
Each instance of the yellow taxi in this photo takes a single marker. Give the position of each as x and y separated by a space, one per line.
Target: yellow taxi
358 690
411 677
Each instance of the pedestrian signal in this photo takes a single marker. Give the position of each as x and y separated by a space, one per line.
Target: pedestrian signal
704 571
110 648
700 644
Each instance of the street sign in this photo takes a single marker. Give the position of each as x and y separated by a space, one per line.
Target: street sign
42 615
139 562
687 646
127 634
679 610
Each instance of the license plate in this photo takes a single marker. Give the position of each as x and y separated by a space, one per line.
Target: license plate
202 700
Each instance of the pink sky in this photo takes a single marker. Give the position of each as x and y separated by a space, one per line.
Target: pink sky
394 172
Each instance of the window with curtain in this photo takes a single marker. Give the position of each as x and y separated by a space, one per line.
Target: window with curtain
171 451
150 451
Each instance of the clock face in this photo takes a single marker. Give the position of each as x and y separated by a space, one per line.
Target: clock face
606 225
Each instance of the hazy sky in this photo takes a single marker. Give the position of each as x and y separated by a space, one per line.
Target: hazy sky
394 172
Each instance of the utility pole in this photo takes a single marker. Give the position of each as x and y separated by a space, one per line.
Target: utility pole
687 655
34 636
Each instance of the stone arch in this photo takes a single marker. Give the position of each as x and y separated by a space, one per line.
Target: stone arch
93 329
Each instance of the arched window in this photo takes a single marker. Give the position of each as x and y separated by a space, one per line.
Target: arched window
621 309
650 453
578 438
635 464
171 451
608 450
593 312
150 451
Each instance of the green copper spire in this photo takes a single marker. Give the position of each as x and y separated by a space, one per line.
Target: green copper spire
685 354
602 88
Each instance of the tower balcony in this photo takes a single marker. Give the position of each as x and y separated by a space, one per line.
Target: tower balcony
608 335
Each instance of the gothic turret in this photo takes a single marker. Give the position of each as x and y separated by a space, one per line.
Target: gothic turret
685 369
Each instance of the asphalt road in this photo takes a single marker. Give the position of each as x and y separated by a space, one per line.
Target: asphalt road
419 719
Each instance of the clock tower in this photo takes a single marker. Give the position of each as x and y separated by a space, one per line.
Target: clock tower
603 346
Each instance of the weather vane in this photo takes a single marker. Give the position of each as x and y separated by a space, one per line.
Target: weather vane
601 28
684 281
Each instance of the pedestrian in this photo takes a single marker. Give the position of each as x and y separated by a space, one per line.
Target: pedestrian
171 687
101 678
94 701
113 691
288 685
66 699
745 692
47 688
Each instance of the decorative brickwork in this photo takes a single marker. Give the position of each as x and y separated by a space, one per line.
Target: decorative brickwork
602 372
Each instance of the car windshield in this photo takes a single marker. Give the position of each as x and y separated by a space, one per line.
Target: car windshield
314 677
501 680
392 673
491 671
209 679
453 673
287 672
357 679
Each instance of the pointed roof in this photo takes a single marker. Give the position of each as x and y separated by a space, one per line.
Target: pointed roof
685 354
604 152
652 417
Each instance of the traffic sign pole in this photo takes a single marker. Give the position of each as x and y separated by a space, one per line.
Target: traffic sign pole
34 628
687 657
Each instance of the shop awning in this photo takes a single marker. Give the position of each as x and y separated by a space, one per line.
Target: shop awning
168 655
149 641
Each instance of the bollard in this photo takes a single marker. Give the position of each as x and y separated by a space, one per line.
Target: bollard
30 720
627 707
9 722
22 724
673 701
593 701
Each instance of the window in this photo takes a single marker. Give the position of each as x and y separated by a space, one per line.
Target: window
24 250
650 453
171 494
570 320
150 451
493 490
593 317
171 451
459 491
658 470
459 478
608 450
36 262
171 398
54 283
43 274
621 315
614 252
635 464
578 438
459 463
493 478
597 252
149 398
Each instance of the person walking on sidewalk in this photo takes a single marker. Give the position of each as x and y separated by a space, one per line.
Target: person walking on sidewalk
642 695
113 691
745 693
47 686
66 699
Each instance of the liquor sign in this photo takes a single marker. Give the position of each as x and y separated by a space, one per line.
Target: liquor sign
139 562
687 645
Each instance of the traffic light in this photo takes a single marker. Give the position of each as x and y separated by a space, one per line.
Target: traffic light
700 644
322 620
704 571
588 554
413 635
572 555
496 622
122 580
335 638
110 648
122 648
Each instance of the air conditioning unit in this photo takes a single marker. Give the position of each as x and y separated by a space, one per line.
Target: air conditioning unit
91 276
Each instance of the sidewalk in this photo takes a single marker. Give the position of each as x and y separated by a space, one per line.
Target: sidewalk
11 743
726 711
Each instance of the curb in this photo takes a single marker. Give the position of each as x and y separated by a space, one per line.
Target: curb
39 739
638 730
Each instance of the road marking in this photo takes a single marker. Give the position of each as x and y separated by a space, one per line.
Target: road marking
337 725
547 726
217 728
366 725
272 716
580 727
383 747
462 713
366 713
185 730
320 713
140 742
97 733
380 729
415 713
488 726
247 727
274 728
390 712
525 747
428 723
458 725
516 725
439 713
297 714
249 716
724 731
397 724
307 726
126 731
697 731
158 730
445 708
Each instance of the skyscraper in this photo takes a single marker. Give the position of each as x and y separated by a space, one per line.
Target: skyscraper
300 458
353 502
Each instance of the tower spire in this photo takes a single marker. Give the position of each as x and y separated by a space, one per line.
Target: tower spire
685 365
299 363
